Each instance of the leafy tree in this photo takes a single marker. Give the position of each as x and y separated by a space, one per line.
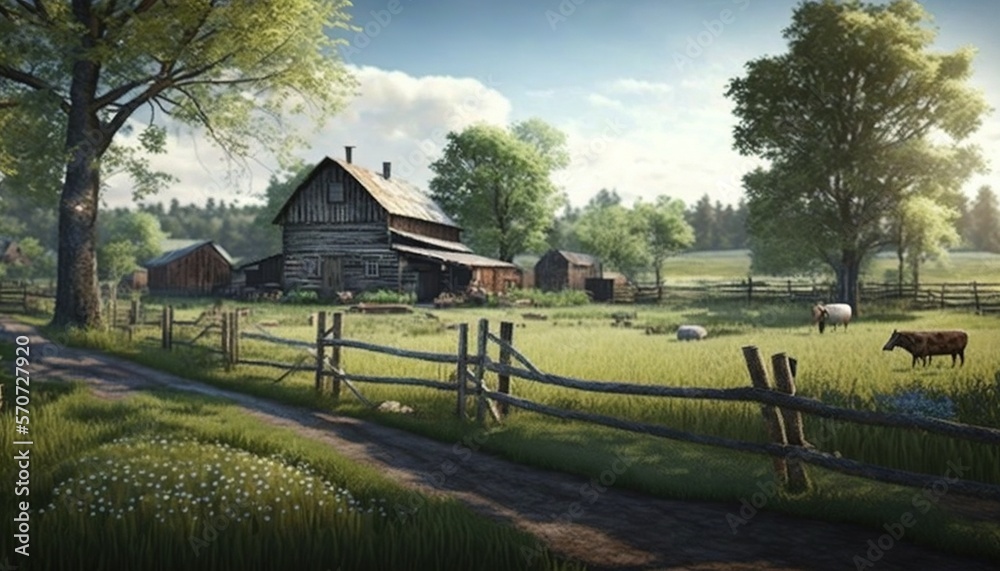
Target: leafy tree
548 142
924 230
141 230
497 187
702 221
281 186
666 232
845 119
562 235
74 74
984 221
616 235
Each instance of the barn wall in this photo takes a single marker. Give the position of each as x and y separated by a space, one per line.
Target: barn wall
306 245
197 273
551 271
310 205
268 271
577 276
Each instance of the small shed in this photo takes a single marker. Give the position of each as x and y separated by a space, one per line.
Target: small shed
198 269
558 269
264 272
611 287
10 252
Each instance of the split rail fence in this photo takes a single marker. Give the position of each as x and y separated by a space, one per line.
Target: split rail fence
476 397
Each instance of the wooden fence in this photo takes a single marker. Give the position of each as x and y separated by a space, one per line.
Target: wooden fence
781 410
22 297
973 296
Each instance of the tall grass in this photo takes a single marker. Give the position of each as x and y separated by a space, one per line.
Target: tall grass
167 481
840 367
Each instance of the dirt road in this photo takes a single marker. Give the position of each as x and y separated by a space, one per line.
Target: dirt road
612 529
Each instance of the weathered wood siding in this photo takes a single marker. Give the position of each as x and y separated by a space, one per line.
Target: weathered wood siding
425 228
305 247
311 205
198 273
267 271
554 272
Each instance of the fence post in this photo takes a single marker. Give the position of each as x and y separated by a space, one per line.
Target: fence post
460 371
942 296
503 380
224 323
236 337
784 378
749 290
772 419
338 327
168 327
484 329
320 349
975 297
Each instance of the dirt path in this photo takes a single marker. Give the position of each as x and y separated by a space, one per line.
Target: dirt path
612 529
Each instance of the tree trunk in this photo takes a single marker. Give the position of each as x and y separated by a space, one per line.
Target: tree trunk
847 279
659 282
77 299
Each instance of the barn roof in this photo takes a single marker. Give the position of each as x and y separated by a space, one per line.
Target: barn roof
397 196
460 258
432 242
578 259
179 253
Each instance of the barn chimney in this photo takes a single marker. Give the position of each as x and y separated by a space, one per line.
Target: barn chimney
347 153
386 170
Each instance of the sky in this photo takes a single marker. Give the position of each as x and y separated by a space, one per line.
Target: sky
637 86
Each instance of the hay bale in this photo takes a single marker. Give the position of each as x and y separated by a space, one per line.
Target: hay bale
691 333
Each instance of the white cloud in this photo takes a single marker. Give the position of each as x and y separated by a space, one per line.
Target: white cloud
599 100
396 117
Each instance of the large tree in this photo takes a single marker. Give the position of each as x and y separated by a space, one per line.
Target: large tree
858 115
75 75
496 184
984 221
615 234
924 229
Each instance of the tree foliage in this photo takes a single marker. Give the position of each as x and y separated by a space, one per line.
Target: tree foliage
857 116
984 221
76 76
498 187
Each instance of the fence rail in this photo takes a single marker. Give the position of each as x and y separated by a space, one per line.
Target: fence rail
781 409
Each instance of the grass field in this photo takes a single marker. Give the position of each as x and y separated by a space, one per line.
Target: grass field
840 367
168 481
735 264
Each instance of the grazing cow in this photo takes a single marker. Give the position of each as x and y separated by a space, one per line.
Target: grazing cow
833 314
923 344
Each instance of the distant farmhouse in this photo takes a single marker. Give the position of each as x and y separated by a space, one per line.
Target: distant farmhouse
201 268
10 252
557 270
346 228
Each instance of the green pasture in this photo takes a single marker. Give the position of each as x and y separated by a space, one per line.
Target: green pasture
841 367
735 264
168 481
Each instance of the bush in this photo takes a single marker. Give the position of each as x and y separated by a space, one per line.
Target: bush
300 296
385 296
539 298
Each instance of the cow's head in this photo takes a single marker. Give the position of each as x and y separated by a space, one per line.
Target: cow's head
893 341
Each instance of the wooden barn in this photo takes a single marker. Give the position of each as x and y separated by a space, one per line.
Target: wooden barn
558 270
347 228
10 252
199 269
611 287
264 273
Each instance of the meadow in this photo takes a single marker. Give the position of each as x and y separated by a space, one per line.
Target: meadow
168 481
846 368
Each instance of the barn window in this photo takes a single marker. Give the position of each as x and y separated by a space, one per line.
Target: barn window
310 266
335 192
371 268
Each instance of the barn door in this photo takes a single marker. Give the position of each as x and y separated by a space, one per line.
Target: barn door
333 276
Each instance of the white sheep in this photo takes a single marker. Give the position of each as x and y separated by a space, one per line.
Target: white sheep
691 333
832 314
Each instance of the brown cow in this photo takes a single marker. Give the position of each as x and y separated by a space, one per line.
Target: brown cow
923 344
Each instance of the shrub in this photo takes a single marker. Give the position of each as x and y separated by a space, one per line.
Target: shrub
539 298
385 296
300 296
